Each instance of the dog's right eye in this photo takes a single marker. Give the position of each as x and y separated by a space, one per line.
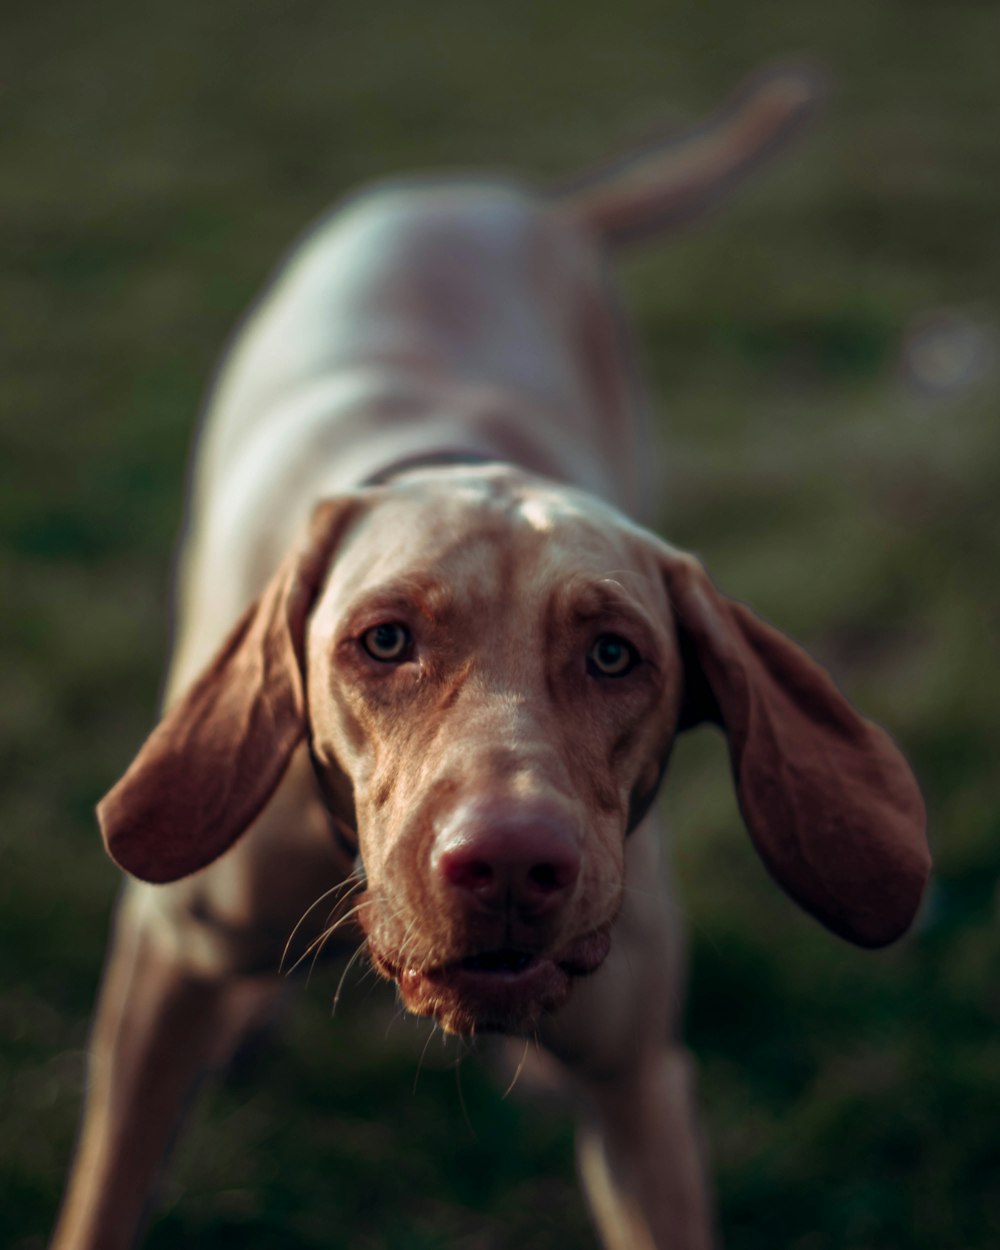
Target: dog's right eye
389 643
611 656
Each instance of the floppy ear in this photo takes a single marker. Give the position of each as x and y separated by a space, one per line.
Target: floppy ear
216 757
827 798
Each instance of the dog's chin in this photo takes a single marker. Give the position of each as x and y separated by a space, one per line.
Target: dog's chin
496 991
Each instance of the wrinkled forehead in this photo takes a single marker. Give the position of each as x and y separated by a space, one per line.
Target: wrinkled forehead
493 536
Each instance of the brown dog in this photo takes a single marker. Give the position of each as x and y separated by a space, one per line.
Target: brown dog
416 634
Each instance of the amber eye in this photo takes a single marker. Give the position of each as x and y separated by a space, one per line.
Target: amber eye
611 656
389 643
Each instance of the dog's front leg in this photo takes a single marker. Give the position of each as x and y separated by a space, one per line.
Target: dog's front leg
639 1147
640 1159
161 1021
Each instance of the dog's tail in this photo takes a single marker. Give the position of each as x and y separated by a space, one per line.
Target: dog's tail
670 183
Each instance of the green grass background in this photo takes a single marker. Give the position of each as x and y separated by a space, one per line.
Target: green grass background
155 159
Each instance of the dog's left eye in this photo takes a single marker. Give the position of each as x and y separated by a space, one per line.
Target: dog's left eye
611 656
389 643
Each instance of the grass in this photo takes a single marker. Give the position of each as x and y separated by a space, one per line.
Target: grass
156 161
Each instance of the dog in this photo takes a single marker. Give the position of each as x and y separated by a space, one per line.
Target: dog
428 667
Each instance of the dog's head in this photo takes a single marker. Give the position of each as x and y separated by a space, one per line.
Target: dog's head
490 672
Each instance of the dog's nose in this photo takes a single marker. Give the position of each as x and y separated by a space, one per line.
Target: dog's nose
500 855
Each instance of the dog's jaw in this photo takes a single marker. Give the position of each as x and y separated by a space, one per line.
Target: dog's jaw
502 991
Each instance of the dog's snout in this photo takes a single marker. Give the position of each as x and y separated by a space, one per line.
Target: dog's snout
503 855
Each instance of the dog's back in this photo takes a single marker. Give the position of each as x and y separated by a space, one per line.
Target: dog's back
407 321
446 319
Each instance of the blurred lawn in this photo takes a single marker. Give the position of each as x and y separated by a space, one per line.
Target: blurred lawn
156 160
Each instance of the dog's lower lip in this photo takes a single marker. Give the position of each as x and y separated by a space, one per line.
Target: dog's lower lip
490 991
501 989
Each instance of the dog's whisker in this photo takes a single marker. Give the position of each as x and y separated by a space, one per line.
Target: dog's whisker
420 1062
350 884
343 977
334 928
320 940
461 1099
518 1070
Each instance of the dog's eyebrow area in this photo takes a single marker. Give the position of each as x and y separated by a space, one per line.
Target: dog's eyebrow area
586 601
415 596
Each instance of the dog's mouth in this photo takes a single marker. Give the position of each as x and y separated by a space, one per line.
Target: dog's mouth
497 962
501 990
